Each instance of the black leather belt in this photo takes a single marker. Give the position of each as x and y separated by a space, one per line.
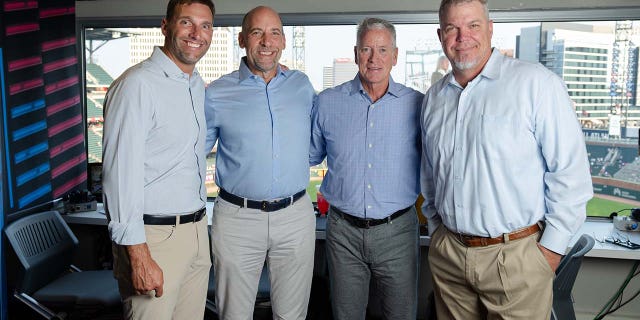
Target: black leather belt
171 220
367 223
266 206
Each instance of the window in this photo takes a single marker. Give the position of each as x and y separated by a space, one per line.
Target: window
598 61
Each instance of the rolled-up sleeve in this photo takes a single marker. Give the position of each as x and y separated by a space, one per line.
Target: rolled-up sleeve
127 110
568 184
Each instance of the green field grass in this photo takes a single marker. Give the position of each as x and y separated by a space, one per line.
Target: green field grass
603 207
311 189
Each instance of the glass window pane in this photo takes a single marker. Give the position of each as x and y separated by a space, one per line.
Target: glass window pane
597 60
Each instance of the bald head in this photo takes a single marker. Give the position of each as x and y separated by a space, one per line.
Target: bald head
260 10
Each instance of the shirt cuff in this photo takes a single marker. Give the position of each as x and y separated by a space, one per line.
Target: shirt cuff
432 225
433 219
128 233
555 240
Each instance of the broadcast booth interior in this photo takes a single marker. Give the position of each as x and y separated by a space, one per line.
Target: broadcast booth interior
59 59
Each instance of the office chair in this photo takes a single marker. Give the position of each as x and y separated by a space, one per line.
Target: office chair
565 278
40 271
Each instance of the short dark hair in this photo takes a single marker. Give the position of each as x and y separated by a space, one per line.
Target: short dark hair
446 4
173 4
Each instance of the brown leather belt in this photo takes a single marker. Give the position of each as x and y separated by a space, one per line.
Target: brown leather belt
475 241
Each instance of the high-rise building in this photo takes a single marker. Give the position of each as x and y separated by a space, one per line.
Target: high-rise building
581 55
343 70
327 77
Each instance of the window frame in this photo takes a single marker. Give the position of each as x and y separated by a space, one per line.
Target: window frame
326 19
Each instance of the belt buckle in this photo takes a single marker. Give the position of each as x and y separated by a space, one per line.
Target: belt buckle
269 206
464 239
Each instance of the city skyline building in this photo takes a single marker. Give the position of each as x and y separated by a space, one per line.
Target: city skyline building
581 54
342 70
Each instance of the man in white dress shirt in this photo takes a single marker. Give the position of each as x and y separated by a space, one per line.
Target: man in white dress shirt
154 169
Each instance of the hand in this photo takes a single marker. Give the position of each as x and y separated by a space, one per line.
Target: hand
146 275
552 258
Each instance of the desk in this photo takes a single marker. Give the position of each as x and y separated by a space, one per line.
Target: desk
598 229
98 218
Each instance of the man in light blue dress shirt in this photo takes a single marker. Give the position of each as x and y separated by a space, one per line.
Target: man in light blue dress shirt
368 129
260 117
154 169
505 175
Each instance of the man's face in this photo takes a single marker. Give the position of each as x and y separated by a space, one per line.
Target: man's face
465 33
188 35
375 56
263 41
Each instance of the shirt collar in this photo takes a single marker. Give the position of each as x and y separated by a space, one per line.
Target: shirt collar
357 88
491 70
167 65
245 72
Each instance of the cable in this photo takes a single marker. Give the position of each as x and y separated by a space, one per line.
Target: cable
615 213
624 303
608 307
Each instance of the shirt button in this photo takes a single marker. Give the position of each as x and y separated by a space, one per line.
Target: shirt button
369 186
370 145
457 177
369 165
373 105
368 207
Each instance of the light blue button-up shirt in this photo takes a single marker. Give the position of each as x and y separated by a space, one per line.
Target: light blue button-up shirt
262 132
372 149
154 133
503 153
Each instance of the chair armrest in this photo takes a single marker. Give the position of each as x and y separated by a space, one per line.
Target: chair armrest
73 268
210 308
36 306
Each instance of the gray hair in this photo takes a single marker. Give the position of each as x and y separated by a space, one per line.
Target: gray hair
375 24
446 4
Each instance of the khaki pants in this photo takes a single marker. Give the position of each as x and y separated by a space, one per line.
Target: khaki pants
503 281
182 252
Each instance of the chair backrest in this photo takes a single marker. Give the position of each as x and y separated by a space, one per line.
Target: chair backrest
43 246
565 278
570 264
